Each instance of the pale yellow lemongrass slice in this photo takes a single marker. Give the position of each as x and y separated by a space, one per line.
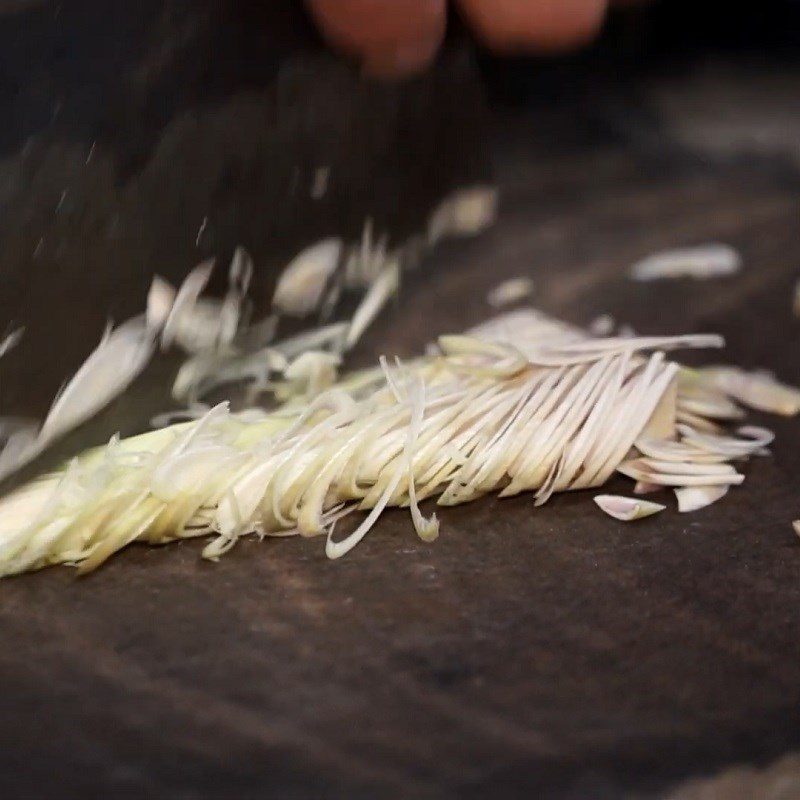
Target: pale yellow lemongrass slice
119 358
693 498
185 300
627 509
302 283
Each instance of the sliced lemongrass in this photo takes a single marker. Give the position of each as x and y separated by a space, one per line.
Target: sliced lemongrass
511 291
701 262
480 418
693 498
627 509
302 283
796 526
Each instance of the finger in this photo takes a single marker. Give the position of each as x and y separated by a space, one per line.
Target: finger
542 25
386 36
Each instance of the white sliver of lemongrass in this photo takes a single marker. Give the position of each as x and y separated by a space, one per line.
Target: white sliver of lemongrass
701 262
627 509
693 498
511 291
302 283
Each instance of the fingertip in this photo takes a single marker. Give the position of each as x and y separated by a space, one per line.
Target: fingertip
388 38
540 25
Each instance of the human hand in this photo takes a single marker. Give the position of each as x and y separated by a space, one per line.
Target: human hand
401 37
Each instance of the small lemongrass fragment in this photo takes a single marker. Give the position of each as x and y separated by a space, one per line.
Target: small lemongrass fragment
693 498
185 300
310 373
701 262
376 297
160 300
511 291
627 509
796 526
11 341
758 390
602 325
465 212
302 283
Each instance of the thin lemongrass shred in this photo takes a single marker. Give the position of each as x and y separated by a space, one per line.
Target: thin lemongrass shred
427 529
511 291
701 262
11 341
376 297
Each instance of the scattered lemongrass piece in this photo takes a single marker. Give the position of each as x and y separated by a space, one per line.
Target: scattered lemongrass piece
464 212
511 291
160 300
119 358
11 341
796 526
310 373
701 262
627 509
302 283
693 498
758 390
185 300
602 325
376 297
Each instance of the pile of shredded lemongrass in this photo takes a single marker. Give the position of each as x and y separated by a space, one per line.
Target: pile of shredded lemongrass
523 403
